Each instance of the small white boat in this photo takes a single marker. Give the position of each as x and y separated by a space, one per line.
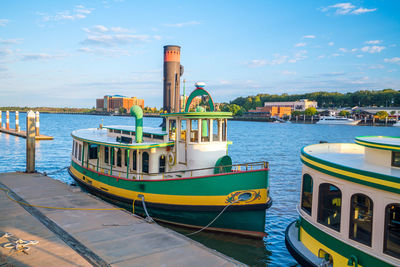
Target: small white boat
337 120
397 124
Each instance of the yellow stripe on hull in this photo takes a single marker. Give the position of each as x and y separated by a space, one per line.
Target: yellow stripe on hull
314 246
169 199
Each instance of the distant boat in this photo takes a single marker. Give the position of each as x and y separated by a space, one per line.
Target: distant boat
397 124
337 120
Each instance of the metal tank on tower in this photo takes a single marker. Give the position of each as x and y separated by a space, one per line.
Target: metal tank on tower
172 74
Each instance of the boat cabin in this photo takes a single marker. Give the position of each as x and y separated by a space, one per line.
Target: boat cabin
351 193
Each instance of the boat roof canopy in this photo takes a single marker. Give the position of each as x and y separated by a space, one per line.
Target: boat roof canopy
129 128
379 142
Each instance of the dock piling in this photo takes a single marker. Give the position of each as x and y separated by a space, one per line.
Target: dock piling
30 142
16 121
37 124
7 120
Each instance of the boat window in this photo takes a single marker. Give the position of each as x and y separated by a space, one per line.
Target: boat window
92 151
80 152
73 147
134 160
126 157
117 131
361 210
205 130
215 130
162 164
106 154
183 130
76 149
395 159
392 230
145 162
306 194
194 130
172 129
329 206
119 157
223 130
126 132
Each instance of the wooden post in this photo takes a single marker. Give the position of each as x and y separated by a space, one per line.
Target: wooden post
38 124
30 142
16 121
7 120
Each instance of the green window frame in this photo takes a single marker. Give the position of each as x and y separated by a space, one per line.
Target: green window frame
361 218
307 194
329 206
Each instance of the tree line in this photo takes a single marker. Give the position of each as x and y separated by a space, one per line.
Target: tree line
362 98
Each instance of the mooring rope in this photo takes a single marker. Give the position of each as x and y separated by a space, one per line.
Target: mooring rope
56 171
151 220
18 245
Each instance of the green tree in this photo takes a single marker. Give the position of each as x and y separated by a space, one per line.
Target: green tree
122 110
296 113
382 114
310 111
344 113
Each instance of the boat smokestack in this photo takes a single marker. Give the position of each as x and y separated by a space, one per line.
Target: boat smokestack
172 74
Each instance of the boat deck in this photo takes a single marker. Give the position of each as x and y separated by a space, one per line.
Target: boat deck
96 237
349 155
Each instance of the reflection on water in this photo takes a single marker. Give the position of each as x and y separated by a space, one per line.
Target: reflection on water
279 144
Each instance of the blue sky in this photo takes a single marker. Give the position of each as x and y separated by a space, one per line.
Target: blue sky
68 53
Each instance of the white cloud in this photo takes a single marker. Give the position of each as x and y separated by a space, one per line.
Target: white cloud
373 49
321 56
344 50
362 80
376 67
29 57
374 42
300 44
112 52
360 56
101 29
80 12
331 43
300 55
182 24
3 22
347 9
255 63
309 36
392 60
362 10
286 72
10 41
114 40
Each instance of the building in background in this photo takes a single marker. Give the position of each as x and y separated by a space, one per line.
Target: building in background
300 105
113 103
270 111
195 102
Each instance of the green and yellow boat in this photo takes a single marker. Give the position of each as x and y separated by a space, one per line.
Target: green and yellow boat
179 174
350 204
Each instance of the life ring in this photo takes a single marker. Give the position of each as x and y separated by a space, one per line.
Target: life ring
171 159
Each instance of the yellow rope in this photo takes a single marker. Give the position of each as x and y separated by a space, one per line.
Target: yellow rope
56 208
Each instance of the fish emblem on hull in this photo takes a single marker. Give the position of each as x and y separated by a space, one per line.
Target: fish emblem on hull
246 196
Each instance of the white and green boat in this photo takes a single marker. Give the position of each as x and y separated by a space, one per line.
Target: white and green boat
350 204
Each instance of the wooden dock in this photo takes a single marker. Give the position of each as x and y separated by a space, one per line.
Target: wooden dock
23 134
85 231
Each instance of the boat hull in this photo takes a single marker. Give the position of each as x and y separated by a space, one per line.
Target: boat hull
190 202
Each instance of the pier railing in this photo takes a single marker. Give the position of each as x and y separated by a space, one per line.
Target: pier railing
235 168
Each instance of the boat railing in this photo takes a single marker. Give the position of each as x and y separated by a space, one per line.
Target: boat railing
116 172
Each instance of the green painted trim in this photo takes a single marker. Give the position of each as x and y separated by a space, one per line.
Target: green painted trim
196 115
121 129
340 247
199 92
384 177
377 145
137 146
213 185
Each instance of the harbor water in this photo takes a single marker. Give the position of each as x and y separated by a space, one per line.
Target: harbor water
277 143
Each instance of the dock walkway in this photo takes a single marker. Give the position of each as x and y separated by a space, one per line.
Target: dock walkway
23 134
101 236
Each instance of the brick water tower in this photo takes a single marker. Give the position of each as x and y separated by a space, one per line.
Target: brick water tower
172 74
